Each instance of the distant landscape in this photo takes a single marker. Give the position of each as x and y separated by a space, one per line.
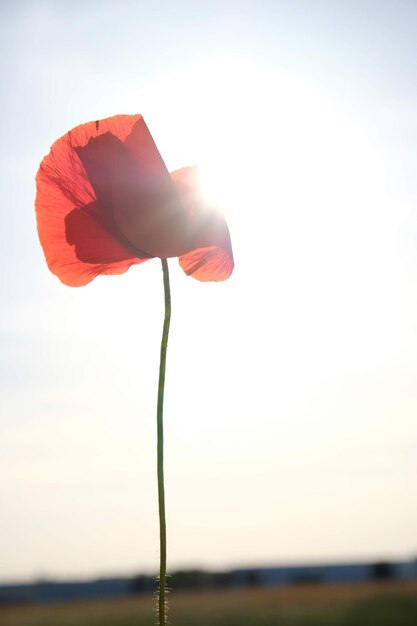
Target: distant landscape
350 594
196 579
390 603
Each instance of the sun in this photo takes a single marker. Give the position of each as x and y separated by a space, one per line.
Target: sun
283 161
256 133
300 182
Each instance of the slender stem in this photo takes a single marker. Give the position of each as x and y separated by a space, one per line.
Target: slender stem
162 618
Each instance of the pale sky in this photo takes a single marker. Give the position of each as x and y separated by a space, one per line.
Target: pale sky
291 396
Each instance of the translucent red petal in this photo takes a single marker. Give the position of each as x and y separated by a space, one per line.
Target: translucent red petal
207 264
210 257
105 201
133 185
77 232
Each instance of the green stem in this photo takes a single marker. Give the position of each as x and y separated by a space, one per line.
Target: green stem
162 621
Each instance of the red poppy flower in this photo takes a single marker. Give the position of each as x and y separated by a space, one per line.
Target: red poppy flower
105 201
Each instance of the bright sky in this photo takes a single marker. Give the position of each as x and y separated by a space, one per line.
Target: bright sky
291 395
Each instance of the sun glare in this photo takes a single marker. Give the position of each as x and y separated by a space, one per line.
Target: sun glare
294 175
258 136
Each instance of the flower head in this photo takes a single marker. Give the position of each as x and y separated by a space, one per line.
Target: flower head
105 201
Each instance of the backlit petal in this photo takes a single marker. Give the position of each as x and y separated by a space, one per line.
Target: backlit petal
131 181
105 201
210 257
77 232
207 264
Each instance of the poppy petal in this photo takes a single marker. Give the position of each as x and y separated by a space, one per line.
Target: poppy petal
132 183
207 264
210 257
105 201
77 232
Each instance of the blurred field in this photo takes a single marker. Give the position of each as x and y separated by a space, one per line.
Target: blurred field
382 604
